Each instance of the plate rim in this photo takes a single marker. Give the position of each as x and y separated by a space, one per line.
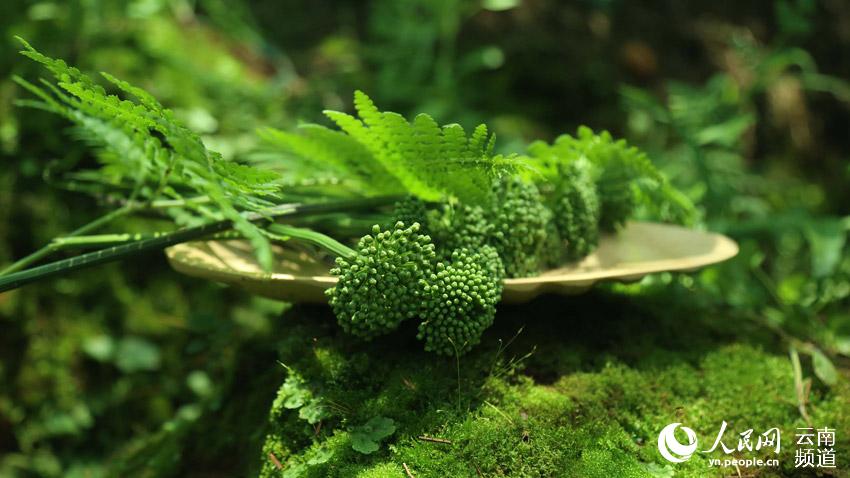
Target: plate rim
725 249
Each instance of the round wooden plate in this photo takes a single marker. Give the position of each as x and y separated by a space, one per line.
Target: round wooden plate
640 248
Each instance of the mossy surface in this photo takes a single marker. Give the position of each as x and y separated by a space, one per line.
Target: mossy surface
564 386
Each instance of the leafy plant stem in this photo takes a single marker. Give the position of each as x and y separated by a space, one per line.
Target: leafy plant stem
129 207
314 237
14 280
52 247
103 240
799 384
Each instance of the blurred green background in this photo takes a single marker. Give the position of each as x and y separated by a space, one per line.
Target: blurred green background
132 367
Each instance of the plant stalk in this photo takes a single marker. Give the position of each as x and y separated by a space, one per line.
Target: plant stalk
51 248
314 237
9 281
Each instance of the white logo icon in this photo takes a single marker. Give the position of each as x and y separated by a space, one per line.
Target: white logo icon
671 449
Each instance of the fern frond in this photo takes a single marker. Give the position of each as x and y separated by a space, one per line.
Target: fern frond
422 158
478 140
142 143
326 151
625 177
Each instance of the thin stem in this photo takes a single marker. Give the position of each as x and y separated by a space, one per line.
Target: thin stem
314 237
18 279
165 203
51 248
14 280
101 240
799 384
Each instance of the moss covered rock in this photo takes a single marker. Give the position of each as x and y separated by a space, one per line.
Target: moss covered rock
563 397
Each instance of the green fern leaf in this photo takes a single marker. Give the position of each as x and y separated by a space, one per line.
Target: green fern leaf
625 177
143 146
396 156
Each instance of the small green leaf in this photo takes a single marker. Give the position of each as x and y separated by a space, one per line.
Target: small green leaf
381 427
500 5
842 345
200 383
824 368
319 456
99 347
294 392
365 438
363 444
135 354
727 133
659 471
826 239
295 401
295 470
313 412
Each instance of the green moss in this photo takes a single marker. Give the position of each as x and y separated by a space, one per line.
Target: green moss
383 470
589 401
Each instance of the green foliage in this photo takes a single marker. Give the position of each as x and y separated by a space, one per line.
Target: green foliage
758 147
380 286
145 150
134 354
389 278
383 153
792 274
625 178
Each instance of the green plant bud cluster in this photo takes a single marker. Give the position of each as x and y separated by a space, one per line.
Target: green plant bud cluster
461 226
577 209
461 301
411 210
616 197
492 262
519 219
381 286
554 252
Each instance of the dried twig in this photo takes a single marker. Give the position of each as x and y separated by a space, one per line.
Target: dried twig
276 462
435 440
407 470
